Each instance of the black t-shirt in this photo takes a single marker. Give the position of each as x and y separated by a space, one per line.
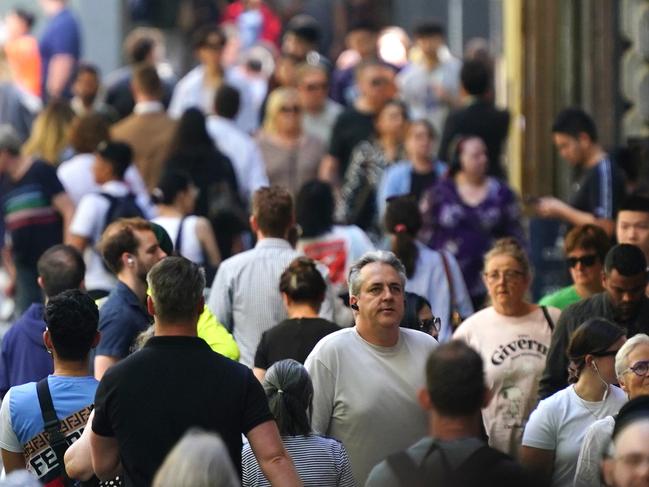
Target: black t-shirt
149 400
350 128
600 190
291 339
31 221
421 182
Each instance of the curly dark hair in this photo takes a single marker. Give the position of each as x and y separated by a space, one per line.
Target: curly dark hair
72 318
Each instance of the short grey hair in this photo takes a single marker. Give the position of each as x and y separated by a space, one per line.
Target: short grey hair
199 459
622 355
380 256
177 286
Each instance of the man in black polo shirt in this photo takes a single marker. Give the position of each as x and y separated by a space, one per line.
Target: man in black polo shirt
597 194
146 402
623 301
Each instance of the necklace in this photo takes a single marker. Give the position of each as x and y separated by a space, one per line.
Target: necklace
585 405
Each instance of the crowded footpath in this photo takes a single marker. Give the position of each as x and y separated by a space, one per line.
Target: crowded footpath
284 257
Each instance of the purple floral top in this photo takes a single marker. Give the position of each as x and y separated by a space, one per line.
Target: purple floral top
469 231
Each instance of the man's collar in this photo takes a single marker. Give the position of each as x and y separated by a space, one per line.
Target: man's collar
270 242
145 107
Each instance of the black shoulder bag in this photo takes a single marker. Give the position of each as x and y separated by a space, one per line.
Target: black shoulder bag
54 436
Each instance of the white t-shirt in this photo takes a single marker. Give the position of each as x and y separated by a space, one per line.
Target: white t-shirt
89 222
514 350
595 443
366 395
337 250
559 423
77 178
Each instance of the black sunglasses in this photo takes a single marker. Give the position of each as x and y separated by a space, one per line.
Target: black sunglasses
605 353
428 324
584 260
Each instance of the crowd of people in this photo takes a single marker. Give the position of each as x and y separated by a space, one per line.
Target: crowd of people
303 264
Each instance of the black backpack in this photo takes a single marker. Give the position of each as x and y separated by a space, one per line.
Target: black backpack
121 207
481 468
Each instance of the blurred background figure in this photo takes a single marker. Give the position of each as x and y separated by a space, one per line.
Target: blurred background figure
477 117
418 172
60 49
333 245
301 36
319 112
361 41
357 202
49 138
199 459
76 174
430 83
141 45
18 108
255 22
192 150
464 213
22 51
292 157
87 97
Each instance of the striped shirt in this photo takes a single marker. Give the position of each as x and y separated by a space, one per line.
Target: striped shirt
319 461
27 209
245 294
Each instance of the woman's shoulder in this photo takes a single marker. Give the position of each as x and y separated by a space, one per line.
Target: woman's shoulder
479 322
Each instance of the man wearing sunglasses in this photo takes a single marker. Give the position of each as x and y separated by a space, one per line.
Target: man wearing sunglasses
632 370
623 301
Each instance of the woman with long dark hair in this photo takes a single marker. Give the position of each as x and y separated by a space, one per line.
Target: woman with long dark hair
556 428
193 151
318 460
431 274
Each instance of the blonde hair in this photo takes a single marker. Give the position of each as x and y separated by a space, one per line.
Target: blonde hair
511 248
50 132
199 459
276 99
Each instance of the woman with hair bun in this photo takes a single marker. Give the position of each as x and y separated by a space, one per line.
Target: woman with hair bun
431 274
319 461
303 290
557 427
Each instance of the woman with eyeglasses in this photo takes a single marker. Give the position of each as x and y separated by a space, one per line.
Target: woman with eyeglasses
513 338
292 157
431 274
556 429
465 212
632 370
585 247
